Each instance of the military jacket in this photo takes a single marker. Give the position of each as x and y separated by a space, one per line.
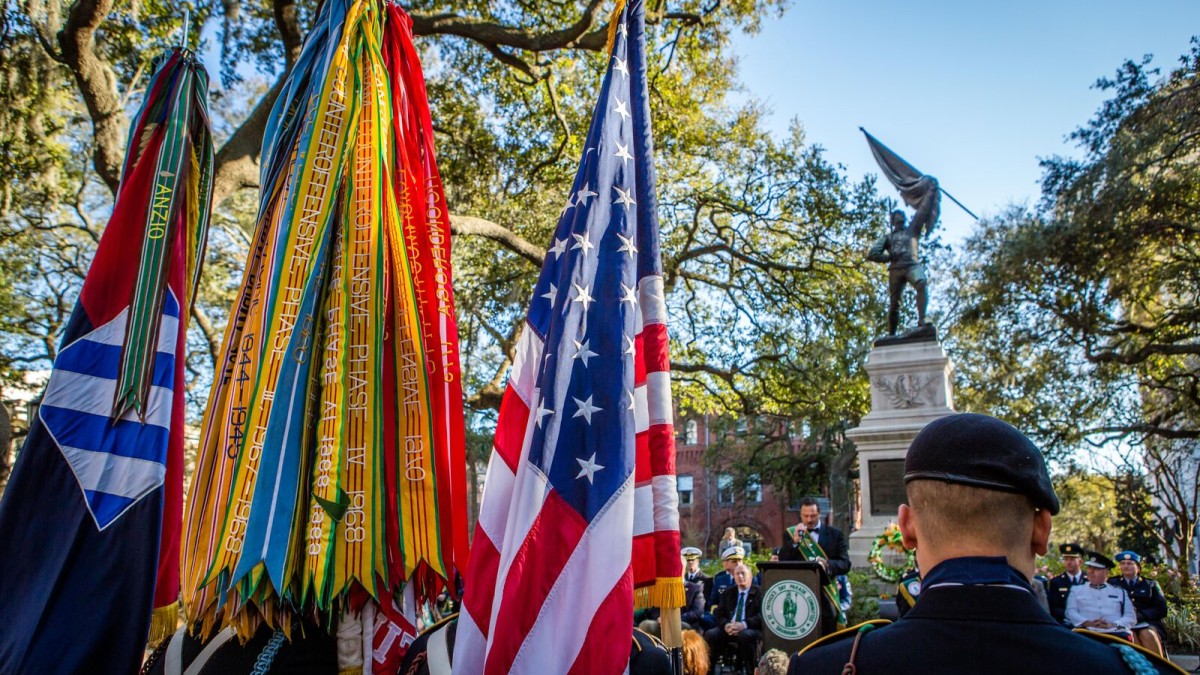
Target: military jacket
1147 596
1056 595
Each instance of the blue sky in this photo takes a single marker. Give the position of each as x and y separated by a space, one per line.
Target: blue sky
973 93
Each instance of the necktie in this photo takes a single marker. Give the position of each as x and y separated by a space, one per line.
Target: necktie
741 606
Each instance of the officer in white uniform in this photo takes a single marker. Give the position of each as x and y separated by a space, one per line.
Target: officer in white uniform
1098 605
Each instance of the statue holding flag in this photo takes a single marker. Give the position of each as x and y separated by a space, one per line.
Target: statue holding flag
900 248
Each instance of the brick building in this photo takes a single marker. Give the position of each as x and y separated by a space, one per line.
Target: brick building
709 502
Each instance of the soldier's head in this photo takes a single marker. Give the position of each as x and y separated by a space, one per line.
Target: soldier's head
732 557
691 559
1096 567
976 487
742 576
898 219
1072 557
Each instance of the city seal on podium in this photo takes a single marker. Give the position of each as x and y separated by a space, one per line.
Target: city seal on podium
790 609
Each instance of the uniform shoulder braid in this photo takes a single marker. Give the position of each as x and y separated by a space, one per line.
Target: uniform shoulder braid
838 636
1140 660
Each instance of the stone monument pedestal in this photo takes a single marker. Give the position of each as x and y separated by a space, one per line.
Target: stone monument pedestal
910 387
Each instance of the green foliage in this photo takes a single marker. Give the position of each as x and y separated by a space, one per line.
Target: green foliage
864 603
1183 608
1089 511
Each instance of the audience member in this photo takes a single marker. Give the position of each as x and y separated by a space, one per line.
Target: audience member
739 619
695 654
774 662
1099 606
731 558
1061 585
729 540
1148 601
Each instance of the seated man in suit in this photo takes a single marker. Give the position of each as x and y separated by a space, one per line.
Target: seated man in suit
836 560
739 619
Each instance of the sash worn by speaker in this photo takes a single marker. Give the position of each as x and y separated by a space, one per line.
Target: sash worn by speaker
811 550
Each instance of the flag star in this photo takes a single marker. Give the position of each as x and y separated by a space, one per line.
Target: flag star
626 243
620 66
630 345
624 197
583 294
622 28
629 295
582 351
585 409
551 295
581 197
542 411
559 247
566 208
632 401
588 468
621 109
582 241
623 152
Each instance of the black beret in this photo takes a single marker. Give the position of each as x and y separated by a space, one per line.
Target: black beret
1097 559
981 451
1070 549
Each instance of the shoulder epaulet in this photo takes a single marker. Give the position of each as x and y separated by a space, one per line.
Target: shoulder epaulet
844 633
653 640
1115 641
444 620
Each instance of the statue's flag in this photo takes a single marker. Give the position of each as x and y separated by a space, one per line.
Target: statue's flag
919 191
579 508
89 524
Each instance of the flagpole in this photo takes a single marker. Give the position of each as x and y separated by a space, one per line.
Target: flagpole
670 624
960 204
187 16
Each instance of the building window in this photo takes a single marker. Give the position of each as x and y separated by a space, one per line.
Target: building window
754 490
724 488
691 434
684 485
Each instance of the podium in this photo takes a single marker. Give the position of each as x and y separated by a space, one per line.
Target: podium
795 609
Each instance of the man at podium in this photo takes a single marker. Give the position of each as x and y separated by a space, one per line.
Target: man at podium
831 549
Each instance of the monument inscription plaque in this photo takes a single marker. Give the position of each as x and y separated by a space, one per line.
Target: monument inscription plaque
887 486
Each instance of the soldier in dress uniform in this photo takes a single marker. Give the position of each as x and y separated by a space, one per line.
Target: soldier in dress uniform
1060 586
978 513
731 558
1148 600
691 568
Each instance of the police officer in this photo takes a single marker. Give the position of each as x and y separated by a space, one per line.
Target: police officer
978 513
1148 600
1060 586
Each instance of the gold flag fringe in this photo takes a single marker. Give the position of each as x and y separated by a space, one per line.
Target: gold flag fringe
664 592
612 27
164 621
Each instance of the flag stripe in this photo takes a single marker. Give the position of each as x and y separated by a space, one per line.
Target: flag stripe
122 439
586 580
92 396
112 474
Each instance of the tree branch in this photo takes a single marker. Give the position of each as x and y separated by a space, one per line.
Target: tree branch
472 226
97 85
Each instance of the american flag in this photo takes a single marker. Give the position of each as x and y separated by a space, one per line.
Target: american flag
580 503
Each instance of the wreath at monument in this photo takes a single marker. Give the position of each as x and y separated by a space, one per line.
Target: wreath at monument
890 540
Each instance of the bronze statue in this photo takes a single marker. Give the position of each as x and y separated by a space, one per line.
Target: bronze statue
900 250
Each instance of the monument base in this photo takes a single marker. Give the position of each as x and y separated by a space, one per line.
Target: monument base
910 387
